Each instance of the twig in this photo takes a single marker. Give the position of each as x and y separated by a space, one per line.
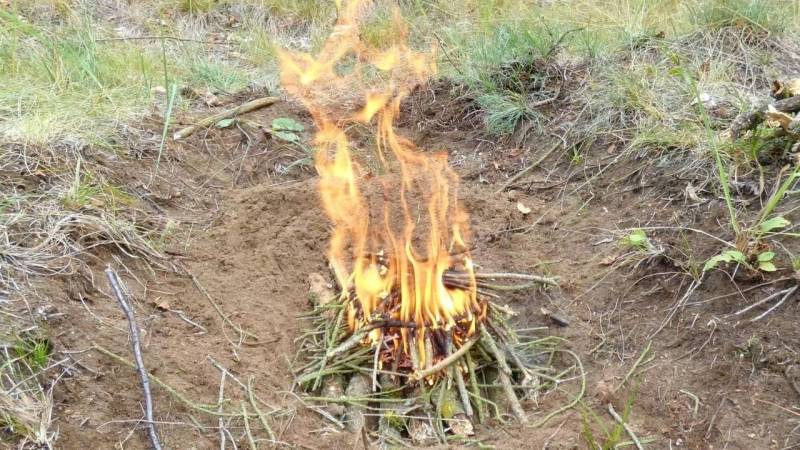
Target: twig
462 391
207 409
505 375
528 169
217 308
115 282
503 275
353 340
153 38
444 363
473 387
250 439
786 293
261 417
220 398
627 428
750 119
636 365
211 120
575 400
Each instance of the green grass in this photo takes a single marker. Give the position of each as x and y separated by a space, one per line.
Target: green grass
34 351
760 17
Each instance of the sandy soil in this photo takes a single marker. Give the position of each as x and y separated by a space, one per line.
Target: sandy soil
251 236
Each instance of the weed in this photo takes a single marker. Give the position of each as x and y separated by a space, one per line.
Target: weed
197 6
611 435
759 17
34 350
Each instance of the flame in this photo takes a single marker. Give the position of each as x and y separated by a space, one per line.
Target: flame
388 253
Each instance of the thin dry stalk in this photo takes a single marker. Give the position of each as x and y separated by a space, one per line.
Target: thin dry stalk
444 363
115 283
625 425
244 108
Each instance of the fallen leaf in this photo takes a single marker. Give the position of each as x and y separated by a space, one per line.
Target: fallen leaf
608 260
691 192
210 99
163 306
778 118
786 88
523 209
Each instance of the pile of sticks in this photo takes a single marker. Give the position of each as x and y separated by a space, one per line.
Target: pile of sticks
477 377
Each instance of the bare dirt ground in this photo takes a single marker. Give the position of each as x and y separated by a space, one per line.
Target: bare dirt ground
250 235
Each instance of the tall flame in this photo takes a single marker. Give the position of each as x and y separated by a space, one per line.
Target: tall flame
389 254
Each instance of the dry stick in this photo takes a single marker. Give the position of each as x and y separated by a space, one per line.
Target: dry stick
211 120
219 310
219 400
115 282
553 281
428 350
182 398
462 391
627 428
353 340
260 414
455 372
789 292
473 387
152 38
636 365
528 169
505 375
786 293
444 363
575 400
250 439
750 119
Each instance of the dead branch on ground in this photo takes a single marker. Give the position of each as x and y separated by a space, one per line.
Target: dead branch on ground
244 108
750 119
116 283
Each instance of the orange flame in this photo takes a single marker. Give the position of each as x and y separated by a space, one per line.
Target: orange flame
389 263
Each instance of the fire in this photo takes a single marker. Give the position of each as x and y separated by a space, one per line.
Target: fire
389 251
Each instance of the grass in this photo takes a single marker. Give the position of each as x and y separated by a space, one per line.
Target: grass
654 76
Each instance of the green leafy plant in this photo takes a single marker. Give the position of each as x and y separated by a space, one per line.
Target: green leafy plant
286 129
763 261
636 240
35 351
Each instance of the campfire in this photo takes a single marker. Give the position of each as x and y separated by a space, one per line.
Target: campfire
415 336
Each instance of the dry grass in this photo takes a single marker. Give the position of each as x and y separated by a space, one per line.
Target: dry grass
79 75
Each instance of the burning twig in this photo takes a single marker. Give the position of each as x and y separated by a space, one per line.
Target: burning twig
115 283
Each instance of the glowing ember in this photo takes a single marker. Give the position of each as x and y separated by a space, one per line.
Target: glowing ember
389 255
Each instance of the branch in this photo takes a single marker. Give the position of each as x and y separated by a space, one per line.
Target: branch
244 108
114 281
750 119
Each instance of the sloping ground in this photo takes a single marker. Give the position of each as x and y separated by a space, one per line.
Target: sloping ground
249 232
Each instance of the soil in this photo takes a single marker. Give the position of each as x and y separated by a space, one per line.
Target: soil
248 227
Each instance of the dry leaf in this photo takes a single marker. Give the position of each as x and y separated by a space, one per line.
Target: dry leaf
164 306
776 118
786 88
210 99
691 192
608 260
523 209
